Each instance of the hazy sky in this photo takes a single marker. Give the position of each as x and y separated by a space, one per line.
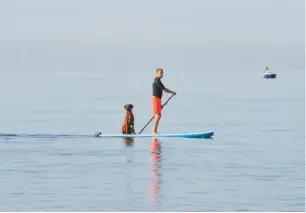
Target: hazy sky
264 31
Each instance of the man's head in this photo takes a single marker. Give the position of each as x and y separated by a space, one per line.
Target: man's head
159 72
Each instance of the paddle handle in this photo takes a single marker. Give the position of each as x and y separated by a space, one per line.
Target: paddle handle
153 115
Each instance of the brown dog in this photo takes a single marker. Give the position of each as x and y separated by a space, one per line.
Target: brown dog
128 125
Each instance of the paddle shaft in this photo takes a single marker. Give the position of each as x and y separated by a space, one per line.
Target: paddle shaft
153 115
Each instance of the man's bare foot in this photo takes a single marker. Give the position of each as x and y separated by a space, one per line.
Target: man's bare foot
155 133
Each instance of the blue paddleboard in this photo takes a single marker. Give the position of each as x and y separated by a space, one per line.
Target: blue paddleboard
187 135
101 135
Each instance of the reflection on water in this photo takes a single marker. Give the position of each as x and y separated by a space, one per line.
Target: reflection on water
128 174
129 143
155 170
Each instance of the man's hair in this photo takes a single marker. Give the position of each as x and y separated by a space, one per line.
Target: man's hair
159 69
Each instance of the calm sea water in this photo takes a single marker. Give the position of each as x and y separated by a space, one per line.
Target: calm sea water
255 162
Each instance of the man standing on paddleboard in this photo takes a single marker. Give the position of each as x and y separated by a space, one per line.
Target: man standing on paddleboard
158 89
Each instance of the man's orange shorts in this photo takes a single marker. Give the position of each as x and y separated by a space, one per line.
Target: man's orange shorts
156 105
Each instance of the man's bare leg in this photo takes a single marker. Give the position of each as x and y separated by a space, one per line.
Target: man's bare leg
156 121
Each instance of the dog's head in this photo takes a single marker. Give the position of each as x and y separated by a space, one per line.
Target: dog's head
128 107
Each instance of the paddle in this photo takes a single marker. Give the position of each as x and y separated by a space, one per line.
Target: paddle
153 115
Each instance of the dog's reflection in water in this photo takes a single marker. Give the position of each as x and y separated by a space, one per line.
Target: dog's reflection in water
128 144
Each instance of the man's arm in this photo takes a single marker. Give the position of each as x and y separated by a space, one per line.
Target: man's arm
161 85
169 91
